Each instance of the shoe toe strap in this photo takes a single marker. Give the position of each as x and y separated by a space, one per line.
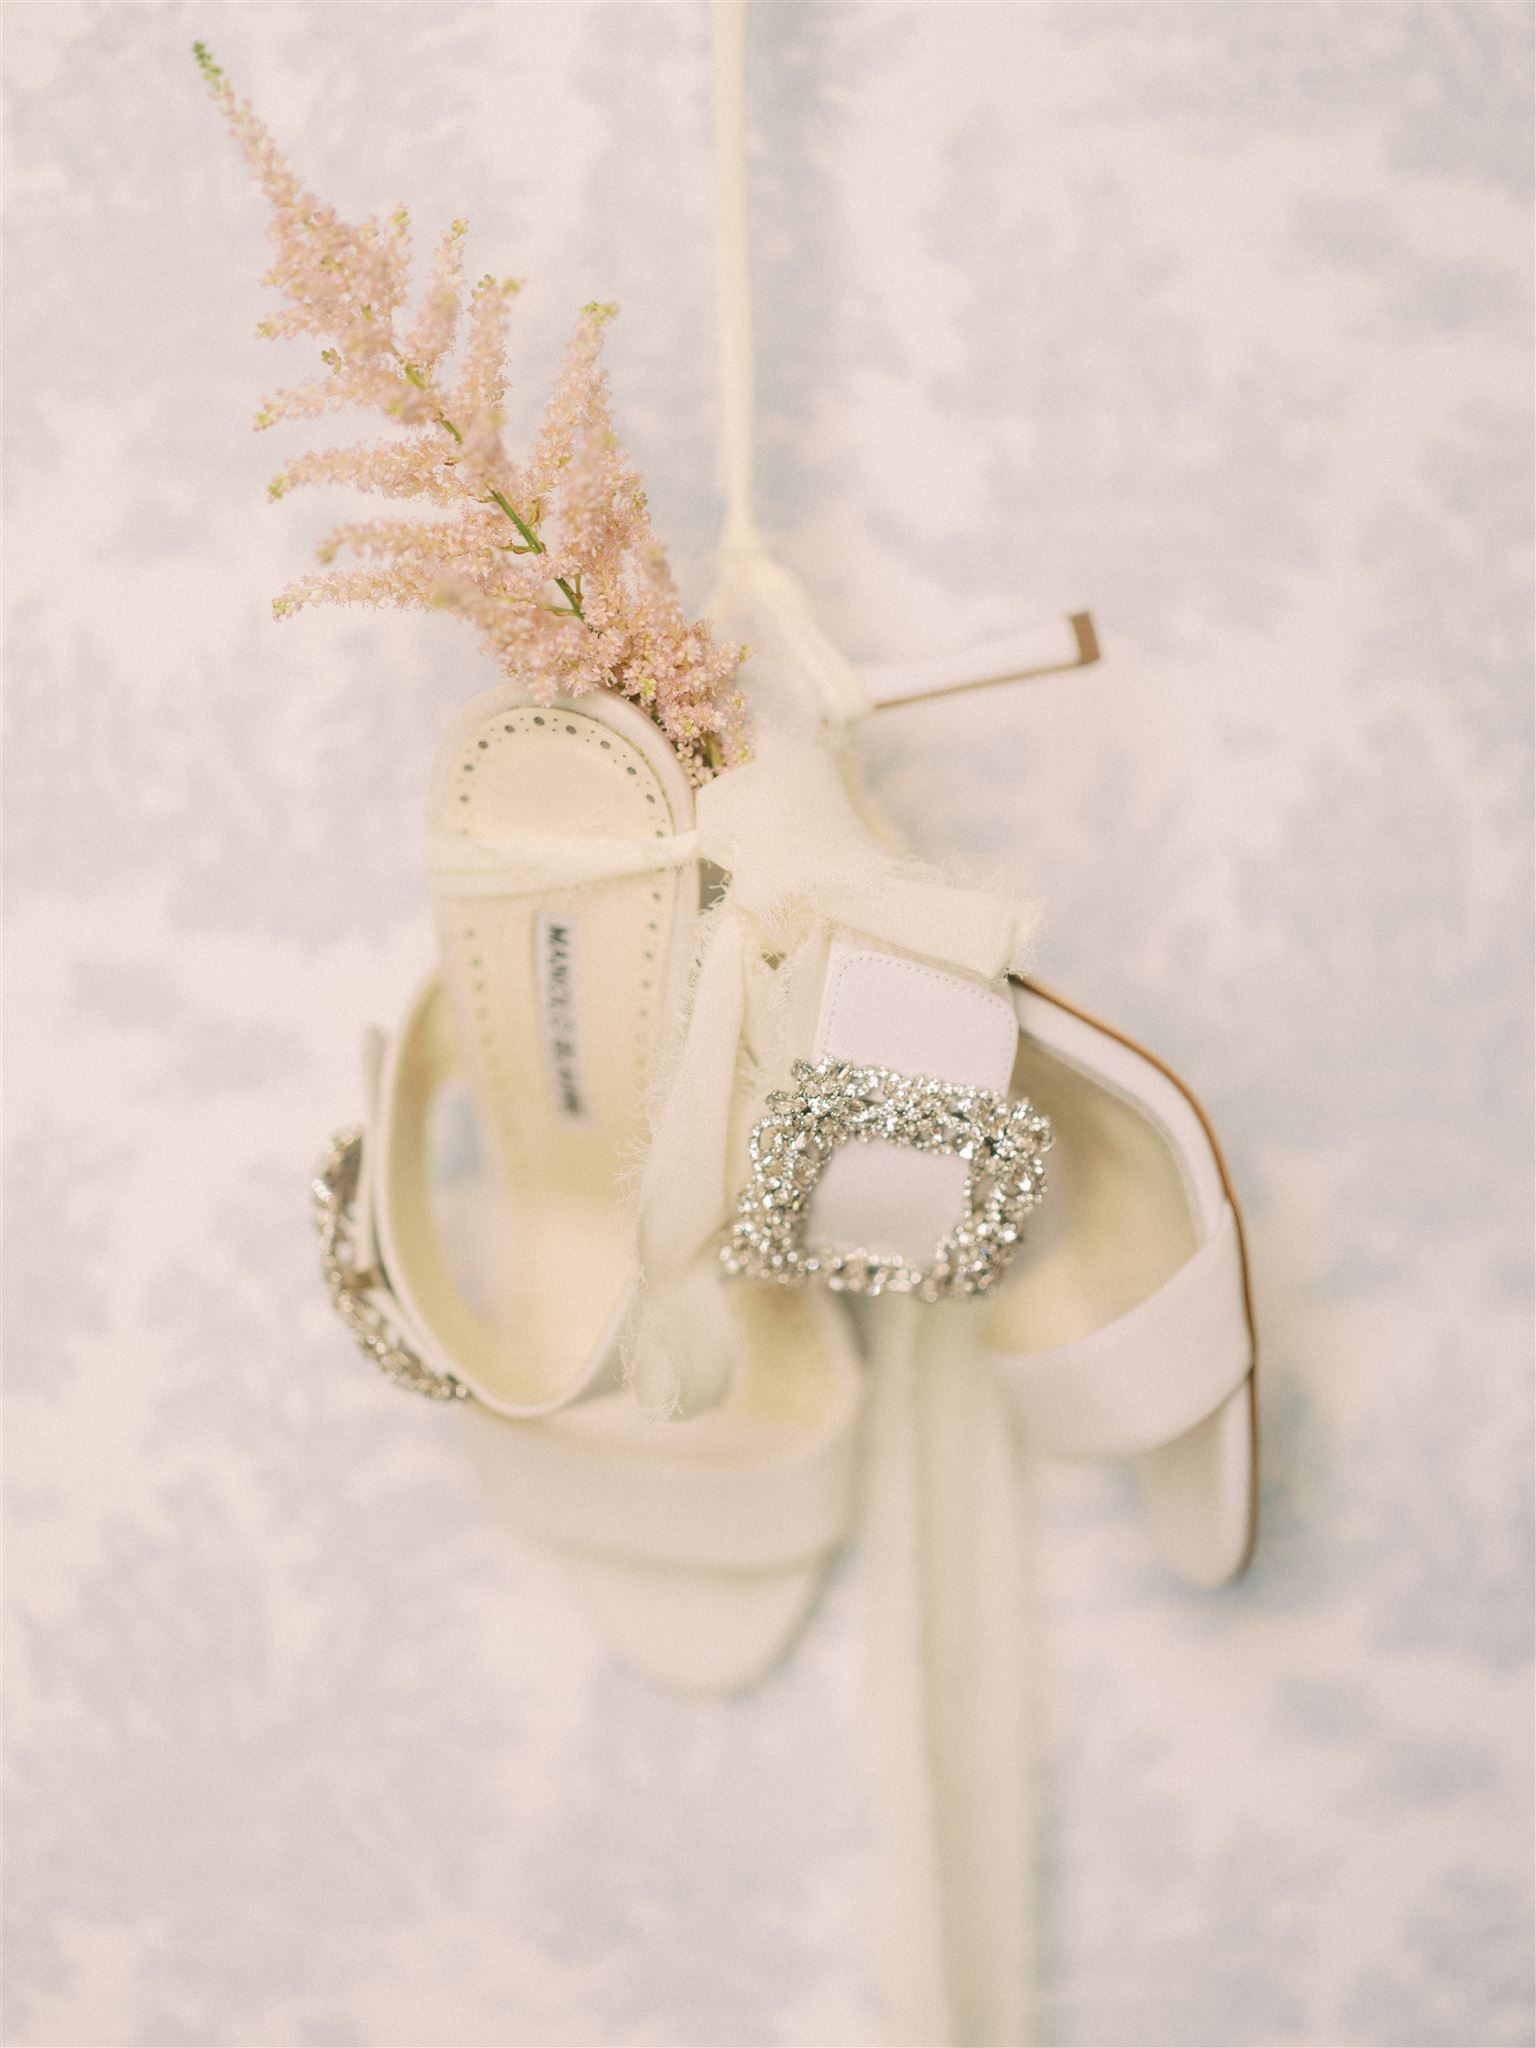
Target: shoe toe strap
1151 1375
710 1494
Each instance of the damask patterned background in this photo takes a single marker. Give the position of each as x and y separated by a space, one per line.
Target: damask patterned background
1216 318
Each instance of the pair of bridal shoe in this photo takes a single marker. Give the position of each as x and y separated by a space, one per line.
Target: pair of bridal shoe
708 1050
695 1127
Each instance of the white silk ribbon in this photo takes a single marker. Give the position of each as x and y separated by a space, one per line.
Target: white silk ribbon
521 864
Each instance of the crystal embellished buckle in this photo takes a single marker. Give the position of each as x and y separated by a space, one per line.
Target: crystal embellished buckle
835 1103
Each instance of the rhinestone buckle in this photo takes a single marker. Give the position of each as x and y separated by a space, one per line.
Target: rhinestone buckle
361 1295
835 1103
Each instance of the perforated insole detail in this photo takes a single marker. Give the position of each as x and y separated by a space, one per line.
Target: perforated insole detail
1115 1223
557 995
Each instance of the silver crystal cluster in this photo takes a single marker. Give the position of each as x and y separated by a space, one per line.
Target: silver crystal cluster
360 1295
835 1103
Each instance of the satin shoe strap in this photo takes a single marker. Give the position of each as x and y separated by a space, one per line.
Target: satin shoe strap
1148 1377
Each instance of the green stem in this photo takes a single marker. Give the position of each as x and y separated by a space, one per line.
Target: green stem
567 590
517 519
571 593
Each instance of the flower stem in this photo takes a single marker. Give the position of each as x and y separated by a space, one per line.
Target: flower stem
566 589
535 544
571 593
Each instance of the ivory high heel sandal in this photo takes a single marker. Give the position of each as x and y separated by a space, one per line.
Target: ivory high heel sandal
696 1545
1122 1330
563 858
1119 1328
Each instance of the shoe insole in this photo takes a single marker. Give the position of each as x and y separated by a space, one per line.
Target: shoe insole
557 990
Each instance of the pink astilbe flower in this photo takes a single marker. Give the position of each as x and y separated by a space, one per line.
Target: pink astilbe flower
553 560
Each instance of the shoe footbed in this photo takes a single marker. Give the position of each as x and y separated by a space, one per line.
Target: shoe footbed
563 1127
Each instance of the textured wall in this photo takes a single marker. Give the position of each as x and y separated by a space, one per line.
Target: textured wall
1215 318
